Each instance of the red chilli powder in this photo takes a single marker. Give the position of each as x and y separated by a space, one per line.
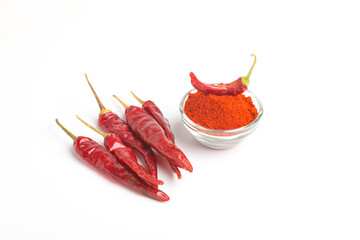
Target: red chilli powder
220 112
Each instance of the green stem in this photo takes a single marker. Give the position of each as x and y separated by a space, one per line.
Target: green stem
246 79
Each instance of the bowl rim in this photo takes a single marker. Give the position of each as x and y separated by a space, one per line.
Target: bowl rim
229 131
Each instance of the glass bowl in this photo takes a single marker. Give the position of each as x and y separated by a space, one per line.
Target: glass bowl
220 139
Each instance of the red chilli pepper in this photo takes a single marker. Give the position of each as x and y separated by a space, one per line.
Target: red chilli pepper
156 113
124 154
103 161
234 88
146 127
112 123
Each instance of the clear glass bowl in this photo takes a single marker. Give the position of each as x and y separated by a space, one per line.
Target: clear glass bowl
220 139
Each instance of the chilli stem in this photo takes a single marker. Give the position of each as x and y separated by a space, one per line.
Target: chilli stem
246 79
122 103
252 67
92 127
137 98
102 108
65 130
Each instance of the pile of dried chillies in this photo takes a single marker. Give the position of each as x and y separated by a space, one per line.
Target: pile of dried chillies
145 129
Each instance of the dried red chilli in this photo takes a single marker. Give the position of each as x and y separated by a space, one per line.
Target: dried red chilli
234 88
103 161
147 128
124 154
111 123
156 113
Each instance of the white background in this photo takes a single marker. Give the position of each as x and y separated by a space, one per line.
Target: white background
296 177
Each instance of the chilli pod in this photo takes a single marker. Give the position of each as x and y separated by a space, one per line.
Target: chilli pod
156 113
124 154
111 123
234 88
103 161
148 129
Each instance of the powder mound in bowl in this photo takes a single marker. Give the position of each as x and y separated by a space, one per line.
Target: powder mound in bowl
220 112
